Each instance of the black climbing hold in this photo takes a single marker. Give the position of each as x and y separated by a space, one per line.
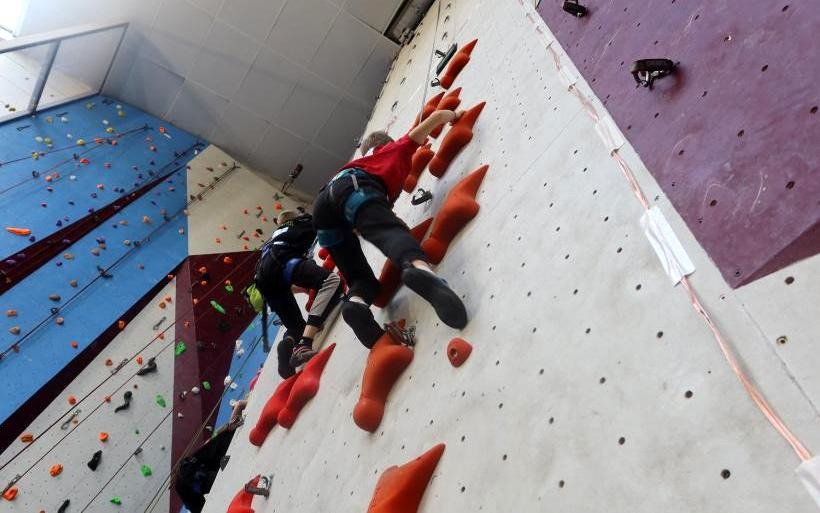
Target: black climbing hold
646 71
104 273
127 398
574 8
63 506
421 196
148 368
55 310
95 460
224 326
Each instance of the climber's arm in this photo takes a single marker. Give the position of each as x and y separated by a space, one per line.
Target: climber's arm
434 120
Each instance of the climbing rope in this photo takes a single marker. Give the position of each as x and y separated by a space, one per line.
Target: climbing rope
430 63
15 347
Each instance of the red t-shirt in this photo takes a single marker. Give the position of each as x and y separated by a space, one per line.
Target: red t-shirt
390 162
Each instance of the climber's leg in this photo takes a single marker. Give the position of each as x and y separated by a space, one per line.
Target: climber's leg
284 350
379 225
328 287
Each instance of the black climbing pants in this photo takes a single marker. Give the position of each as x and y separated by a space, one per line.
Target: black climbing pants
374 221
307 274
198 471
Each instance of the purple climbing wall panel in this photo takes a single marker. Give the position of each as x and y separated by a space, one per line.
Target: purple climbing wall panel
733 137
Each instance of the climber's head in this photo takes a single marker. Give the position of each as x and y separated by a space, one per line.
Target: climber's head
374 140
285 216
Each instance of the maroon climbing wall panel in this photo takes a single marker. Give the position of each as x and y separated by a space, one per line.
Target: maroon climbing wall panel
733 138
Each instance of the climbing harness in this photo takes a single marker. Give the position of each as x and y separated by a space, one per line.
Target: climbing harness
421 196
70 419
332 237
574 8
646 71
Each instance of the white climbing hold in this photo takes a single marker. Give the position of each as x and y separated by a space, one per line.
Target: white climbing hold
195 390
232 403
233 386
238 343
227 380
72 177
240 352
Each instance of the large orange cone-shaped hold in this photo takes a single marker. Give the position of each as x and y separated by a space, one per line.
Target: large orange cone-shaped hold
458 209
418 162
428 109
457 63
450 101
456 139
458 350
400 489
267 419
390 278
305 387
386 362
243 500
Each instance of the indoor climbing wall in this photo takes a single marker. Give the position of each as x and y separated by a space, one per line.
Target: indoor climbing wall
593 383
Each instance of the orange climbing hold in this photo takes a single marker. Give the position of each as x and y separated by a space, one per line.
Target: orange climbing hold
451 101
456 139
55 470
304 388
121 324
26 438
428 108
400 489
103 436
10 494
109 362
418 162
18 231
72 400
458 209
162 304
139 360
458 350
227 260
385 363
390 278
278 206
267 418
457 63
74 344
242 501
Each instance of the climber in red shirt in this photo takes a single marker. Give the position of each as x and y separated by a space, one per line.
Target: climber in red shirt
358 200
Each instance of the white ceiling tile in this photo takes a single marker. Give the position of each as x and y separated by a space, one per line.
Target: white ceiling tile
224 60
306 111
301 28
345 124
319 167
268 85
254 17
278 153
368 82
196 109
183 20
376 13
120 70
151 87
170 52
209 6
238 131
344 51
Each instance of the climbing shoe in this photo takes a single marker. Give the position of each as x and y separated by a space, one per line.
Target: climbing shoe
302 353
435 290
95 460
148 368
360 319
284 351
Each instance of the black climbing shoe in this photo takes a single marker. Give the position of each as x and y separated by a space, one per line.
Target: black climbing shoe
148 368
127 398
95 460
284 350
302 354
360 319
435 290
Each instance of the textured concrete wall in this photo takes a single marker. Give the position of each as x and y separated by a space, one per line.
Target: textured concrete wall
593 384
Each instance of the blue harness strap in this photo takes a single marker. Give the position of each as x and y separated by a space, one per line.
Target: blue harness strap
287 271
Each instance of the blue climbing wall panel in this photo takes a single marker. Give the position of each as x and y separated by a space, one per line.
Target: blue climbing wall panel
145 149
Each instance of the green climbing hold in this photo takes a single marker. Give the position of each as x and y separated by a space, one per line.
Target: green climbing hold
180 348
160 400
217 307
116 500
136 431
229 288
146 470
206 385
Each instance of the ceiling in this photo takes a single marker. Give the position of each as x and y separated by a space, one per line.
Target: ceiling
273 82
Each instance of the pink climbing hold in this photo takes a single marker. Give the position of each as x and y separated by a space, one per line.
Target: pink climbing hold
304 388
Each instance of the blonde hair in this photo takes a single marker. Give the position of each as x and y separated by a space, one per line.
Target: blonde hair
285 216
373 140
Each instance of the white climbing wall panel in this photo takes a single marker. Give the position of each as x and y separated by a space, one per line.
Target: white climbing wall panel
593 384
144 423
219 224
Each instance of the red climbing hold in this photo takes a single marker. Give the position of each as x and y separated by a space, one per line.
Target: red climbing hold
243 500
456 139
18 231
458 350
304 388
385 363
55 470
390 278
457 63
400 489
323 253
428 109
458 209
269 414
10 494
72 400
418 162
451 101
